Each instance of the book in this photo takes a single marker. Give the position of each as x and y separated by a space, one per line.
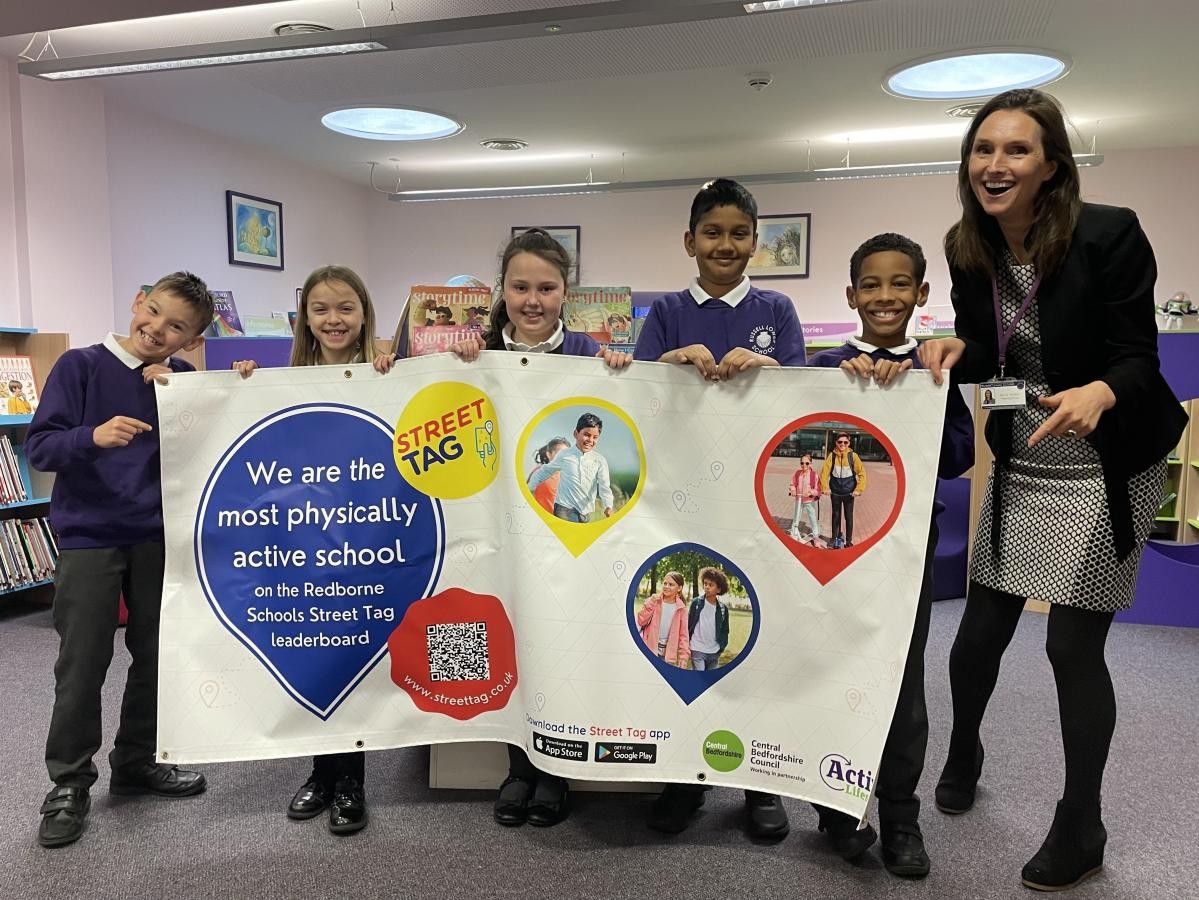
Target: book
225 321
267 326
605 313
19 389
440 315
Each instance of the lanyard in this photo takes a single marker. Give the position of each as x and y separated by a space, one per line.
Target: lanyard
1005 334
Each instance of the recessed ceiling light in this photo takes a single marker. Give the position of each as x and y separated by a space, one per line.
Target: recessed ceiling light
974 74
504 144
772 5
390 123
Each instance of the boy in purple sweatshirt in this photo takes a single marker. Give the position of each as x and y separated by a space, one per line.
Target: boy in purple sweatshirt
96 428
886 285
722 325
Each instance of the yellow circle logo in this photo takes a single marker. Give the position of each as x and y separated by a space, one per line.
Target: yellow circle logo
447 442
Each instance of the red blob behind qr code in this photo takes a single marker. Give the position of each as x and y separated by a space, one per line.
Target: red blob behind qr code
454 653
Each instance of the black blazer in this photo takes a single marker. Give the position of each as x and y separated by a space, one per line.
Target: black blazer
1098 323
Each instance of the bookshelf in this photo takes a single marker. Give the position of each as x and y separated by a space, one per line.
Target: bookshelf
29 495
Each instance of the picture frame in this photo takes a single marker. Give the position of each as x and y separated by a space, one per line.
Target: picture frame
569 236
255 231
784 248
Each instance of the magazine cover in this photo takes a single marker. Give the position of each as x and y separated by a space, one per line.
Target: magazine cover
19 389
225 321
605 313
439 316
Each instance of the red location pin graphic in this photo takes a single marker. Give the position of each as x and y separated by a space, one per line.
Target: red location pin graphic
818 474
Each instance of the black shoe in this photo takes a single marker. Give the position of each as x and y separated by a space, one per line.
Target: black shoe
674 807
549 805
64 816
848 544
1072 851
955 790
310 801
512 804
904 854
848 841
347 811
159 779
767 816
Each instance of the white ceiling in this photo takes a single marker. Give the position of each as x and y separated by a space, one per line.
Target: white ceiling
654 102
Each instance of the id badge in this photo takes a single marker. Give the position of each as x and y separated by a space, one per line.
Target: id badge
1002 393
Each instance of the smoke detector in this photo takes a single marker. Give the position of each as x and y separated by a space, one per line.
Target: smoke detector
965 111
504 144
288 29
759 81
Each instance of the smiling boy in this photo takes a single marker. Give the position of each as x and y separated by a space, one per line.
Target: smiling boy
584 475
97 429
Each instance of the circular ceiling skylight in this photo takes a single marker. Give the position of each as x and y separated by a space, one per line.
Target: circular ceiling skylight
974 74
384 123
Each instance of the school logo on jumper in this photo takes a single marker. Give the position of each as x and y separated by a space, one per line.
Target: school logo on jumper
762 339
838 772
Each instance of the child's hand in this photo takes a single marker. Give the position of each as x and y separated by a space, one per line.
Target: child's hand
696 355
861 365
739 359
157 372
118 432
940 353
887 370
615 359
467 350
244 367
383 362
607 512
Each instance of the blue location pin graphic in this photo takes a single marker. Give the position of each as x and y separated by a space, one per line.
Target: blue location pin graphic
642 604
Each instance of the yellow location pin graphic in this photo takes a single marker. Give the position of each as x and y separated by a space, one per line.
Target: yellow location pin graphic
447 442
581 465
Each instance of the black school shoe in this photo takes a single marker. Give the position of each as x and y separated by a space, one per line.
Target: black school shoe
159 779
550 803
847 840
767 817
1072 851
310 800
512 804
674 808
904 854
347 810
64 816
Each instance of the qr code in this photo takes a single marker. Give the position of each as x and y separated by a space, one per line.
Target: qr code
458 652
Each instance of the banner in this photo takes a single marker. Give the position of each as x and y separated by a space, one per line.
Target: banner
634 575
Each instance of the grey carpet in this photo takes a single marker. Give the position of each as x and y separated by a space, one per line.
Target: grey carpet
235 842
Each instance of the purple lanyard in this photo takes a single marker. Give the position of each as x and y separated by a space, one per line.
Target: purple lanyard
1005 334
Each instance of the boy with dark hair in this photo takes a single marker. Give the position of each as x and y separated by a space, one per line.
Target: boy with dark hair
886 285
708 621
721 316
96 427
584 474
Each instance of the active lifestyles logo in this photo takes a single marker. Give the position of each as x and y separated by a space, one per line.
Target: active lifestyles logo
838 773
762 339
723 751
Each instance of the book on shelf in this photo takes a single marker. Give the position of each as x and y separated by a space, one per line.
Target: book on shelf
225 321
267 326
439 316
12 485
28 552
605 313
19 396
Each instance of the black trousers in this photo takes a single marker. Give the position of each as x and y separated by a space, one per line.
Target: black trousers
87 587
329 768
520 766
907 740
842 502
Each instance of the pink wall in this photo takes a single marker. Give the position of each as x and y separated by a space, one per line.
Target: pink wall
10 293
167 183
636 238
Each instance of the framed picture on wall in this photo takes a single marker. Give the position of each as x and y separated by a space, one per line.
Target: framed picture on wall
255 227
566 235
784 248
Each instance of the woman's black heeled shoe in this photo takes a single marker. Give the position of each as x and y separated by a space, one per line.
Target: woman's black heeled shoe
1072 851
955 791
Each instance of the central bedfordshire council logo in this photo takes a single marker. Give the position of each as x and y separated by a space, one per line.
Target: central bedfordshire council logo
723 751
838 773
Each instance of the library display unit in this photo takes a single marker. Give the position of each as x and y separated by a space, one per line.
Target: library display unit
27 548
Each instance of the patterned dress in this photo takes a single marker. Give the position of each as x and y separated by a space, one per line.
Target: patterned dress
1055 538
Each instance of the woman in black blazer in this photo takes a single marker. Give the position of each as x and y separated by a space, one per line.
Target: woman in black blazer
1055 316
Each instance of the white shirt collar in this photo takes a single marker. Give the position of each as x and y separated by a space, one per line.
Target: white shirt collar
906 347
113 345
732 298
549 345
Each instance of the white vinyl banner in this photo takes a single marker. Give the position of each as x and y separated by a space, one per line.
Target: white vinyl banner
634 575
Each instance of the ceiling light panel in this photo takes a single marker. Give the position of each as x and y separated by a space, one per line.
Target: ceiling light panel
389 123
982 73
906 133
